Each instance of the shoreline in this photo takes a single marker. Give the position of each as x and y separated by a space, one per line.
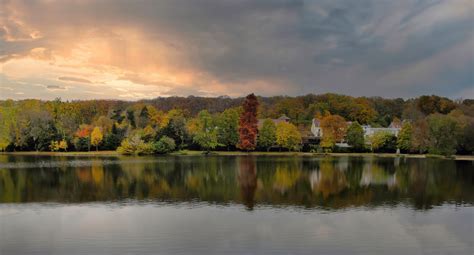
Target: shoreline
239 153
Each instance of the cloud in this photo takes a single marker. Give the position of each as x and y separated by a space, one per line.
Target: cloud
73 79
55 87
235 47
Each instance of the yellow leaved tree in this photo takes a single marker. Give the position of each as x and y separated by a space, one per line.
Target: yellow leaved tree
96 137
288 136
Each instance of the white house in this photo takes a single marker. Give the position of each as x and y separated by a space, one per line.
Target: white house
394 129
316 128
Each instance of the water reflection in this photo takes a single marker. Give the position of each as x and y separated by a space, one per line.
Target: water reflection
330 183
247 180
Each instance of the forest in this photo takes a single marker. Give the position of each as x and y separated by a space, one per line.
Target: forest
430 124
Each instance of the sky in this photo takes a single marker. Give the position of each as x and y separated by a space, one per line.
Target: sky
130 50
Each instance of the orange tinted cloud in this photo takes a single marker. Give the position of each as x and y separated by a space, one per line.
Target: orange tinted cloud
143 49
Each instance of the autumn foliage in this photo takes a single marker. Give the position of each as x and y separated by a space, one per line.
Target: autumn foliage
438 125
335 126
248 124
84 131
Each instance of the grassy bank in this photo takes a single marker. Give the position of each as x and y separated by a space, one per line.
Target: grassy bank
240 153
68 153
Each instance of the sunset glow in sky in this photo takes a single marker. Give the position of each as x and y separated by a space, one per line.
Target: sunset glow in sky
123 49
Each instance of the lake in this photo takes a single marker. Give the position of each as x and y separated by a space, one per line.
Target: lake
235 205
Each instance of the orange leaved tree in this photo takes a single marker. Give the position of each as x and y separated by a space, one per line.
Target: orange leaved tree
248 124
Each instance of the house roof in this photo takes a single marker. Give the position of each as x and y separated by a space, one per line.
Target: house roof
316 122
282 118
395 124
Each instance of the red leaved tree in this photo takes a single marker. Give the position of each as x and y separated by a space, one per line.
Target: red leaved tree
248 124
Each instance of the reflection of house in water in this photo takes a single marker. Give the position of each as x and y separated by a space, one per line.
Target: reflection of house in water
343 163
375 175
314 179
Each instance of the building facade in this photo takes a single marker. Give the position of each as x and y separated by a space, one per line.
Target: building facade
394 129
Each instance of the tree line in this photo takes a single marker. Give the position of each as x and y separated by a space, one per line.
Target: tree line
431 124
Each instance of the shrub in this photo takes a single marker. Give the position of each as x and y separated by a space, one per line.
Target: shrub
383 142
145 149
164 145
135 145
111 142
82 143
126 147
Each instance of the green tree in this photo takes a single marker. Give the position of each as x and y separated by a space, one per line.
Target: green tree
175 127
442 134
404 137
464 131
228 127
42 131
355 136
143 117
112 140
288 136
164 145
9 123
267 134
206 135
467 139
131 118
383 142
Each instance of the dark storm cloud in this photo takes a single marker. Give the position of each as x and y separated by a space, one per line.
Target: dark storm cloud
368 47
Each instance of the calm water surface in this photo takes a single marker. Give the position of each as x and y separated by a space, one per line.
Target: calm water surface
235 205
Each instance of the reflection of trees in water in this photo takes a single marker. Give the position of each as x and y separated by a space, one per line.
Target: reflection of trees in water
286 176
328 179
329 182
247 178
97 173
